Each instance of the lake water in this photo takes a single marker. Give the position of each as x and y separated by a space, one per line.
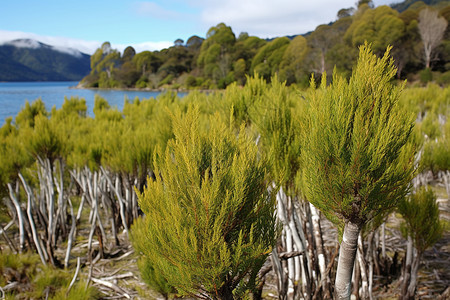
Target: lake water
14 94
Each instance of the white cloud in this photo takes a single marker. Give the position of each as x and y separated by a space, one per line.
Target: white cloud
88 47
58 42
268 18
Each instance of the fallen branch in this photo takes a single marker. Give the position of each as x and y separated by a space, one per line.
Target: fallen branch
120 276
111 286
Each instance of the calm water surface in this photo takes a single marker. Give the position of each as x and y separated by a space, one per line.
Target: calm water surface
14 94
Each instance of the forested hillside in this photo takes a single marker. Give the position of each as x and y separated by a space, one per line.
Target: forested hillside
224 56
30 60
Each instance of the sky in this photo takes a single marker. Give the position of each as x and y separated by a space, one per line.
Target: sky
154 25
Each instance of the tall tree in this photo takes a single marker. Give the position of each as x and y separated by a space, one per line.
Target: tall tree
431 29
355 157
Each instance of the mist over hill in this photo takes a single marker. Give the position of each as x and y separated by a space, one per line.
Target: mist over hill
30 60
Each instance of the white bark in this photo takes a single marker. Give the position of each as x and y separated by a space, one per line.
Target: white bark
116 189
363 268
347 253
36 239
19 217
7 239
414 269
290 262
324 278
71 235
278 271
407 268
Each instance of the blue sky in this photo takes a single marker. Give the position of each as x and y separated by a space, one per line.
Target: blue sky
153 25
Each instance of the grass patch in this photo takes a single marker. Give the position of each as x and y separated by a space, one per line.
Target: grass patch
37 281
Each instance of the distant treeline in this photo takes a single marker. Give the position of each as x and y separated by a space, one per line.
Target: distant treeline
417 32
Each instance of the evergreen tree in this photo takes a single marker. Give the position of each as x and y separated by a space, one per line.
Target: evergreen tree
209 218
355 162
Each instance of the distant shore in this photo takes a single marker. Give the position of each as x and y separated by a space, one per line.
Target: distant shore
146 89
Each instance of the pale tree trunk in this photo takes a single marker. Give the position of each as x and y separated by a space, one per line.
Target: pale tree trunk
383 242
414 269
347 253
321 257
117 191
370 260
71 235
7 239
294 236
356 279
363 268
300 241
19 217
407 269
446 177
291 266
34 233
278 269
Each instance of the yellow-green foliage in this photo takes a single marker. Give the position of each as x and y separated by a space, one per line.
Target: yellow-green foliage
37 281
209 219
431 105
421 219
354 159
277 121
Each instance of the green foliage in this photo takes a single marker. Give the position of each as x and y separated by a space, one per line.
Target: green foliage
421 219
355 157
209 220
38 281
426 75
220 59
45 140
380 26
267 61
277 122
28 113
291 67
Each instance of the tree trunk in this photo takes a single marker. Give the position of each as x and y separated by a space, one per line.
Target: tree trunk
321 257
347 253
414 269
407 269
34 233
71 235
19 217
363 267
276 265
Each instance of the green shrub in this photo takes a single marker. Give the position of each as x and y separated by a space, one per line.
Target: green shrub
444 79
420 212
426 75
209 220
37 281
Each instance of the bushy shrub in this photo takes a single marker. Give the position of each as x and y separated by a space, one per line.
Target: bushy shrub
426 75
209 219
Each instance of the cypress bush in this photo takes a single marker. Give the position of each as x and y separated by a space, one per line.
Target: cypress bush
209 220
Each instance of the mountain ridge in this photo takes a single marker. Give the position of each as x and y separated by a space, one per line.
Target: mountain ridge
31 60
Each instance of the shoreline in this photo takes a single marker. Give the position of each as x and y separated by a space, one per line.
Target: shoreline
160 90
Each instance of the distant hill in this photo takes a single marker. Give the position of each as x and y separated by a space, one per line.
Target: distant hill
402 6
30 60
